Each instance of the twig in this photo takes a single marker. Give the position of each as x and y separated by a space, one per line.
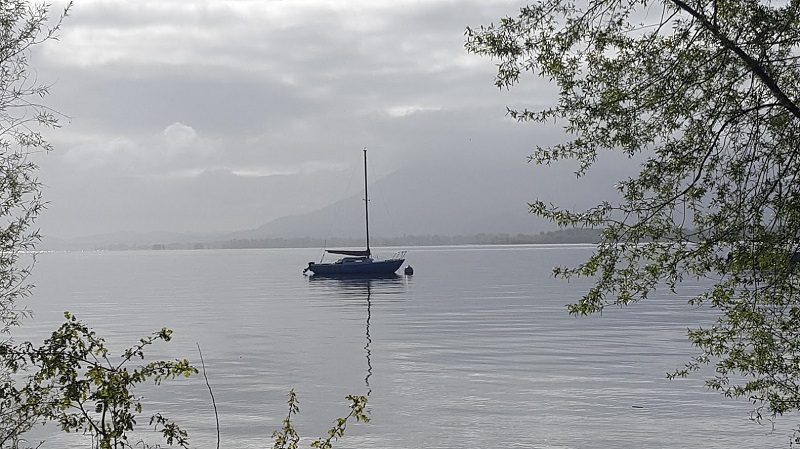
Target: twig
213 402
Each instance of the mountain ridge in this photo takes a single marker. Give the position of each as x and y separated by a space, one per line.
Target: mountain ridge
412 201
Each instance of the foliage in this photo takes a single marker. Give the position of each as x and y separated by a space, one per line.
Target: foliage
22 403
705 94
74 380
22 27
93 393
288 438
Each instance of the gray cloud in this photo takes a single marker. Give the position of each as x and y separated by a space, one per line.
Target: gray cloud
162 94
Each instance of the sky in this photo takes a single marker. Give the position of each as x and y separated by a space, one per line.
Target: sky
210 116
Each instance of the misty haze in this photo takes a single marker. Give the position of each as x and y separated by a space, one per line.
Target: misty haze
209 153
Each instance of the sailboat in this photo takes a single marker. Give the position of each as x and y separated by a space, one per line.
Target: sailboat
358 262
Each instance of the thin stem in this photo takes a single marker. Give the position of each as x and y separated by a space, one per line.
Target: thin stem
213 402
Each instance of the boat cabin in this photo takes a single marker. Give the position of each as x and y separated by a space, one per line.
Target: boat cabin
354 260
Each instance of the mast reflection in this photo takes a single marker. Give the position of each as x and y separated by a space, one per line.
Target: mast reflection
369 340
355 289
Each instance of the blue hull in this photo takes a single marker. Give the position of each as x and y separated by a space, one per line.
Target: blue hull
363 268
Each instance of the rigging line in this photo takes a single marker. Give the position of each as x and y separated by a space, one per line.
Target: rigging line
324 247
382 196
337 210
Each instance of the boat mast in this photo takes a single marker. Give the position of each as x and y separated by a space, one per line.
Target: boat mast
366 202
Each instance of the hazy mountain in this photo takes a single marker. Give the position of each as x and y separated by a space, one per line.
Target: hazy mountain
477 198
433 197
214 201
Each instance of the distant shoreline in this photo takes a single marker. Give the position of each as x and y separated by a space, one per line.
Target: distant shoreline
563 236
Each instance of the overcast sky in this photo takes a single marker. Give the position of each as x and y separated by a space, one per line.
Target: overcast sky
165 98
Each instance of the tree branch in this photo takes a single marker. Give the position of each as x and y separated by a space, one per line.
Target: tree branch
754 65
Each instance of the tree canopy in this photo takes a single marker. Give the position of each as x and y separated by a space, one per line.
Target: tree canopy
22 117
705 94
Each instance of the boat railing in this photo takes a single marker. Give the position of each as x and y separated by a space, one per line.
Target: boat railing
399 255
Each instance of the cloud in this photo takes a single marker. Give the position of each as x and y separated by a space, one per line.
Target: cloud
168 90
176 149
180 139
98 154
403 111
179 134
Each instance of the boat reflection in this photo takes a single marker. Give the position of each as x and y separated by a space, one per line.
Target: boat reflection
350 287
353 290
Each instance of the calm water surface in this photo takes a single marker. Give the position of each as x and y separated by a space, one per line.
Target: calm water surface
475 350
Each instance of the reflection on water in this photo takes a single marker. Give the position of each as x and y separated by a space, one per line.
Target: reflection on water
478 351
369 340
346 290
359 287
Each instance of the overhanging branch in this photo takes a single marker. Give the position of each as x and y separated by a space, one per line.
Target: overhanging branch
754 65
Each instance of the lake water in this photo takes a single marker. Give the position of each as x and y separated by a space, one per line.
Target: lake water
475 350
